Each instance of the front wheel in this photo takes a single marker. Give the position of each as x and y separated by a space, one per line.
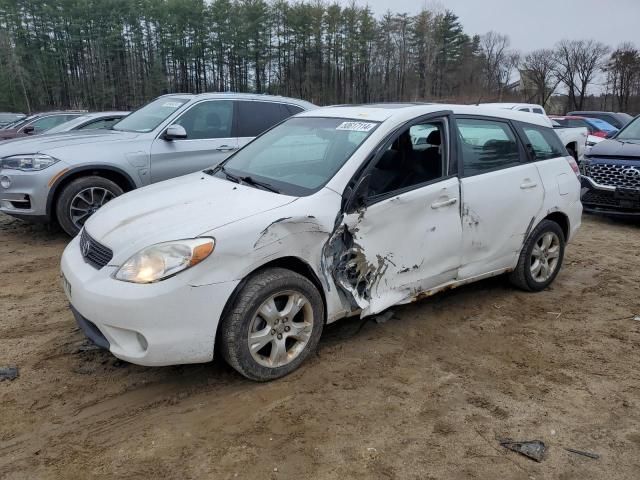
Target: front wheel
274 324
81 198
541 257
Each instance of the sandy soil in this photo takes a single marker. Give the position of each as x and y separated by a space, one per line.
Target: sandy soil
425 395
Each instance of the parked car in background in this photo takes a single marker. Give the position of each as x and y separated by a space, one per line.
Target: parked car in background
332 213
611 174
598 129
66 178
574 139
617 119
7 118
89 121
36 124
595 126
520 107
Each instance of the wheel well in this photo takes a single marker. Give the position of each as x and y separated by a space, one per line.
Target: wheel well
118 178
562 220
294 264
573 146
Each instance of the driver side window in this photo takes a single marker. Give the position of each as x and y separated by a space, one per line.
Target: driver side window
416 156
204 120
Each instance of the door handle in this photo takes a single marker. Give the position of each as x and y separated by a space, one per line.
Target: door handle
225 148
526 185
444 203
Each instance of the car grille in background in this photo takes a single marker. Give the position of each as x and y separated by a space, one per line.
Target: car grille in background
93 252
614 175
601 198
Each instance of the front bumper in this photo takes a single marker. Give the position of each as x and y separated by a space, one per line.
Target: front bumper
26 197
603 199
164 323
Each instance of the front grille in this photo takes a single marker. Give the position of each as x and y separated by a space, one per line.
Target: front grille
614 175
600 197
93 252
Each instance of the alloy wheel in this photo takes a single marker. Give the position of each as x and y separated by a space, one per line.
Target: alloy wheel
87 202
280 329
545 257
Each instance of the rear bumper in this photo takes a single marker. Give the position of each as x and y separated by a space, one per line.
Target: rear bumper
604 200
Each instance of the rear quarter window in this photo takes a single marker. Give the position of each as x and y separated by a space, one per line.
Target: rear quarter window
542 142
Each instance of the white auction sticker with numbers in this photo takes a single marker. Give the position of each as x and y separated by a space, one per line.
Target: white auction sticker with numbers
356 126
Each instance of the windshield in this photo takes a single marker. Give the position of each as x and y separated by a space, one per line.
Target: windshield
10 117
21 122
631 131
66 126
300 155
151 115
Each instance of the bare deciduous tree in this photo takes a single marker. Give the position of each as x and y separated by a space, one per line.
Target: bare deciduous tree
577 63
538 69
623 71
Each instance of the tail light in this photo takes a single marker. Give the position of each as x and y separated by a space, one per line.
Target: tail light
574 165
599 133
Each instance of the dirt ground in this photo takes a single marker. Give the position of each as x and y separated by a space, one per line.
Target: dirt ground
425 395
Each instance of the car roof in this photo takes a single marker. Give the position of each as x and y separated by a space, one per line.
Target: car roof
508 105
243 96
381 112
105 114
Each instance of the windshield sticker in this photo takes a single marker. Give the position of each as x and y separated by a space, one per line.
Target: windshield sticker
356 126
171 104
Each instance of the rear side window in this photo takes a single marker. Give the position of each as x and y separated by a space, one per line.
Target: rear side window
538 110
543 142
487 145
256 117
523 109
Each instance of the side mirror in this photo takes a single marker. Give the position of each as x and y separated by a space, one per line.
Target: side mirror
30 130
175 132
355 197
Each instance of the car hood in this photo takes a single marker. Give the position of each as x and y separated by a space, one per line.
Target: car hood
183 207
616 149
48 143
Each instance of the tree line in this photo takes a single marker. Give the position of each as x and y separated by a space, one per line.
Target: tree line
118 54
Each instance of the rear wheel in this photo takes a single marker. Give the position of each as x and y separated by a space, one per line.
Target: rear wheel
541 257
81 198
274 324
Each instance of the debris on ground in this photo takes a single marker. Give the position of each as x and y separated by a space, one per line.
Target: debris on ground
637 318
8 373
87 346
595 456
384 317
533 449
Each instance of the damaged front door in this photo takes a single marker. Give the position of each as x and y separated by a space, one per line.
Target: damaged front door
406 236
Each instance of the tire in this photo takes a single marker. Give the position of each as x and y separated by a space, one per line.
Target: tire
529 275
93 187
273 330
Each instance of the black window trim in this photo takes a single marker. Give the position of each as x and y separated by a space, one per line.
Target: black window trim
523 156
380 148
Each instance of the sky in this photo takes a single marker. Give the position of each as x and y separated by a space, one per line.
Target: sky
533 24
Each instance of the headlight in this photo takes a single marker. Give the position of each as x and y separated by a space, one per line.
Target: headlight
164 260
28 162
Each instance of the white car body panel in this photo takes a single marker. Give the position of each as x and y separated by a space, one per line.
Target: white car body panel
447 233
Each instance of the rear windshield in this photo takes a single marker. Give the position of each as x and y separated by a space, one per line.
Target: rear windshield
300 155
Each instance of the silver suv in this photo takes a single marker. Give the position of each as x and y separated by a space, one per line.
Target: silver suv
67 177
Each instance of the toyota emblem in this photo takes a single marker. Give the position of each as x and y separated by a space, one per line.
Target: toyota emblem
631 173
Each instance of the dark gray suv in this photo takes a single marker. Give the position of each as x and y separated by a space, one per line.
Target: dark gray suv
67 177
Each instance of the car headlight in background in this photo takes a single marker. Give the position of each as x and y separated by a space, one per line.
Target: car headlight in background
27 162
163 260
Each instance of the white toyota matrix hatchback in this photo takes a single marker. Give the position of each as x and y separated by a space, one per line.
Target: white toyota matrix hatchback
335 212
